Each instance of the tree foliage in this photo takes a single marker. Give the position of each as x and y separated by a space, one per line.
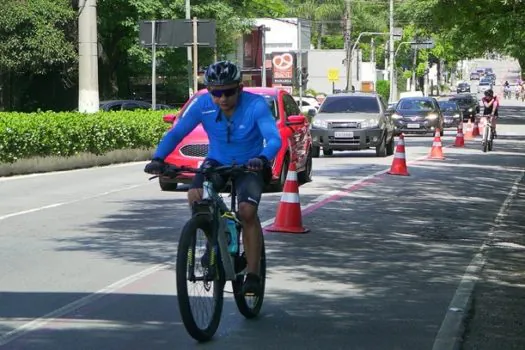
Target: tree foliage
35 36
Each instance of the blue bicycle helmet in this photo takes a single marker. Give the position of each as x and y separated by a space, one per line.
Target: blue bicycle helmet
222 73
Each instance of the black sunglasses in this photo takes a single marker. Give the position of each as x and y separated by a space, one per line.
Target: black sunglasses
226 92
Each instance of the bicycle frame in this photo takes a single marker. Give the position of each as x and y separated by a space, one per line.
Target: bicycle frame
220 213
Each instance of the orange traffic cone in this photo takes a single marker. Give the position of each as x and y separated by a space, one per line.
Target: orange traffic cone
475 131
460 140
437 147
469 131
399 165
289 217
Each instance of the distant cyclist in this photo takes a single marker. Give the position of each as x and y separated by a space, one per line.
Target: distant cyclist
491 107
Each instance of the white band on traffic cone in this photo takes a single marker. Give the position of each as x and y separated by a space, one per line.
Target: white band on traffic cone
436 144
399 155
292 176
290 197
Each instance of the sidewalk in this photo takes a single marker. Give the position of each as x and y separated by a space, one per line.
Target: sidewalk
497 318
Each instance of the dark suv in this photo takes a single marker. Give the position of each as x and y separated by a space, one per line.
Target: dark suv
353 121
463 87
468 104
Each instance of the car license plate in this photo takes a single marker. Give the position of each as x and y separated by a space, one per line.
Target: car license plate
344 134
413 126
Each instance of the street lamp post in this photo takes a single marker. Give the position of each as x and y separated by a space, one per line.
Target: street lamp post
349 78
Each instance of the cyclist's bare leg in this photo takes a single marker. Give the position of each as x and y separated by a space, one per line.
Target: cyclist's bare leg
194 195
252 236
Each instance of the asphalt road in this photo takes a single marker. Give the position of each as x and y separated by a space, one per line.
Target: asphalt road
87 255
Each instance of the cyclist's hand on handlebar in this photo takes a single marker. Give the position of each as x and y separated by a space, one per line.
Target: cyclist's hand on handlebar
155 167
257 163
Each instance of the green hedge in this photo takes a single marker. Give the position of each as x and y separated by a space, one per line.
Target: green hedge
27 135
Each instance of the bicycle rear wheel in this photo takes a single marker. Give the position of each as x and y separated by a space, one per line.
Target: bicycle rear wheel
196 275
250 307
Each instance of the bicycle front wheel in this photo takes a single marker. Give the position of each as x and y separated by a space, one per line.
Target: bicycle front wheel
485 141
200 279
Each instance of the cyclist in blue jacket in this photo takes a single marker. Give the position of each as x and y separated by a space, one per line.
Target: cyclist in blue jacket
237 123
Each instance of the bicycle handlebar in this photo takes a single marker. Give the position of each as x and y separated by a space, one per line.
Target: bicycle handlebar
173 171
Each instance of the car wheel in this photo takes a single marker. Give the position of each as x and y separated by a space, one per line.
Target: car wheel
306 175
390 147
278 187
328 152
381 148
167 186
316 151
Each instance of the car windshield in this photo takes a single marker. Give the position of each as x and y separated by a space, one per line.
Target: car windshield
463 85
448 106
272 104
416 105
350 104
484 82
461 101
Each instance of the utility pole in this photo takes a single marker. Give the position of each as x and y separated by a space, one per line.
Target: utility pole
195 55
88 94
348 31
414 67
372 50
263 54
188 53
392 59
153 65
300 60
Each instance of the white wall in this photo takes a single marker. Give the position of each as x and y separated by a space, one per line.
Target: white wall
283 34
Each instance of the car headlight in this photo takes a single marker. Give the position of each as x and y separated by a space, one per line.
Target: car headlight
470 109
456 116
322 124
396 116
432 116
370 123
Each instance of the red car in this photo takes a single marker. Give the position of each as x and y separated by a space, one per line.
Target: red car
293 127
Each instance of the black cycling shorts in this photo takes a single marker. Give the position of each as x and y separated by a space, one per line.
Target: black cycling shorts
249 186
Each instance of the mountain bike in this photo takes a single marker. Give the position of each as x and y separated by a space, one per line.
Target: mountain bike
222 258
488 135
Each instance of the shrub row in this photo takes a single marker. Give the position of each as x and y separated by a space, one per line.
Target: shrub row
27 135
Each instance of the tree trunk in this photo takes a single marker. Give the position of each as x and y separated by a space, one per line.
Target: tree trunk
521 61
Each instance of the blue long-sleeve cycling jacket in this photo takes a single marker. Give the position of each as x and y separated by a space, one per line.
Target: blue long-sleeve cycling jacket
251 123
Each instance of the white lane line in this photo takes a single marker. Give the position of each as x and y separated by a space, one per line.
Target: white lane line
51 173
58 313
29 211
450 333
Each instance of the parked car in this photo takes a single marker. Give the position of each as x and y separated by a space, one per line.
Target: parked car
475 76
451 113
463 87
418 115
293 127
308 103
468 104
130 105
353 122
121 105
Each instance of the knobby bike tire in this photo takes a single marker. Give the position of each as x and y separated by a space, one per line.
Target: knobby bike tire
242 304
485 141
187 240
